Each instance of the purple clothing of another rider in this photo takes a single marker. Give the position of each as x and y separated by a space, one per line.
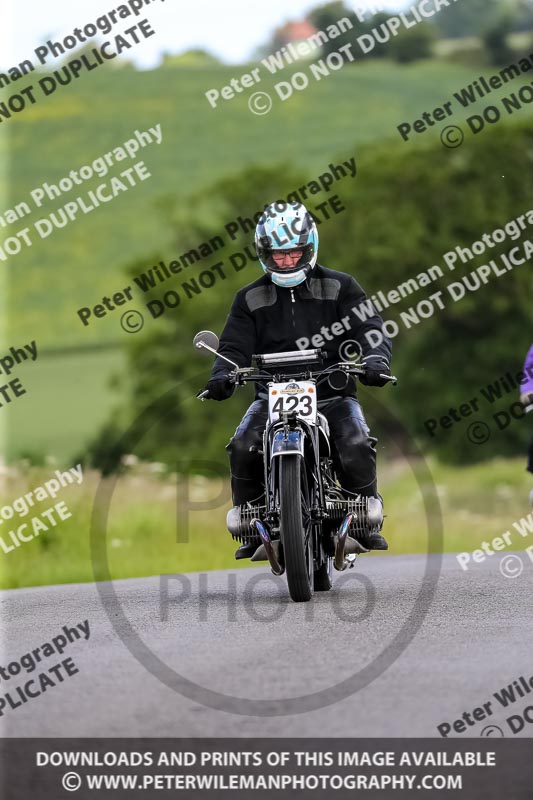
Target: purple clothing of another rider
527 387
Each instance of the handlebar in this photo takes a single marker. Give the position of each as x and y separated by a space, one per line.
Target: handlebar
248 374
390 378
244 375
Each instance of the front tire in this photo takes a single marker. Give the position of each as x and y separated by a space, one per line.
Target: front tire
296 542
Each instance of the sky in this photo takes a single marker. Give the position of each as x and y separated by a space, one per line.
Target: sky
230 29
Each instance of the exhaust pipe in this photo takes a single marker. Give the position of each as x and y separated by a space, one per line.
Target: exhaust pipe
269 548
345 545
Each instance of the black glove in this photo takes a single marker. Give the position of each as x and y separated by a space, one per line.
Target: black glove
375 368
220 388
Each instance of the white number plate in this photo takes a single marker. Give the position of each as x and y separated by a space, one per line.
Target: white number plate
292 396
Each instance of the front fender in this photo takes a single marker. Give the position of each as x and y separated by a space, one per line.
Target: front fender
288 442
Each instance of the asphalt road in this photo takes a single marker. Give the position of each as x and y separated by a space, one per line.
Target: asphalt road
365 658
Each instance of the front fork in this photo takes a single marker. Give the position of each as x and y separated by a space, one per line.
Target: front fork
284 442
289 442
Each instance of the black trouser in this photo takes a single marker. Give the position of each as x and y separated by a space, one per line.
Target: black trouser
353 450
530 457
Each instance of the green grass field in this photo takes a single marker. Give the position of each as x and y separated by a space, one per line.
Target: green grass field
68 398
477 504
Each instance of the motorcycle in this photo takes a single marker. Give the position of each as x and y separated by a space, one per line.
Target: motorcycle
306 524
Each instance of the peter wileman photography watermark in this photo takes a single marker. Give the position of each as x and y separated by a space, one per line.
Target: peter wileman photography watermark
29 676
26 528
455 291
506 697
261 102
479 432
83 176
91 59
511 565
166 274
452 136
14 389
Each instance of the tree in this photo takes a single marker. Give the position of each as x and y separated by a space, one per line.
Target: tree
524 16
330 13
190 58
382 50
320 18
413 44
469 18
495 40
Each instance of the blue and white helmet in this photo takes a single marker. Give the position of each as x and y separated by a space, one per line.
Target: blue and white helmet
287 226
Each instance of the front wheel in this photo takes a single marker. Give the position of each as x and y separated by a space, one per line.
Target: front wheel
295 530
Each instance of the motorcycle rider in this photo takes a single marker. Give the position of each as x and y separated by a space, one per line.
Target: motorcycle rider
298 299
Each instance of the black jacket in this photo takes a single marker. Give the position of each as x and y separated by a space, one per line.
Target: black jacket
266 318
